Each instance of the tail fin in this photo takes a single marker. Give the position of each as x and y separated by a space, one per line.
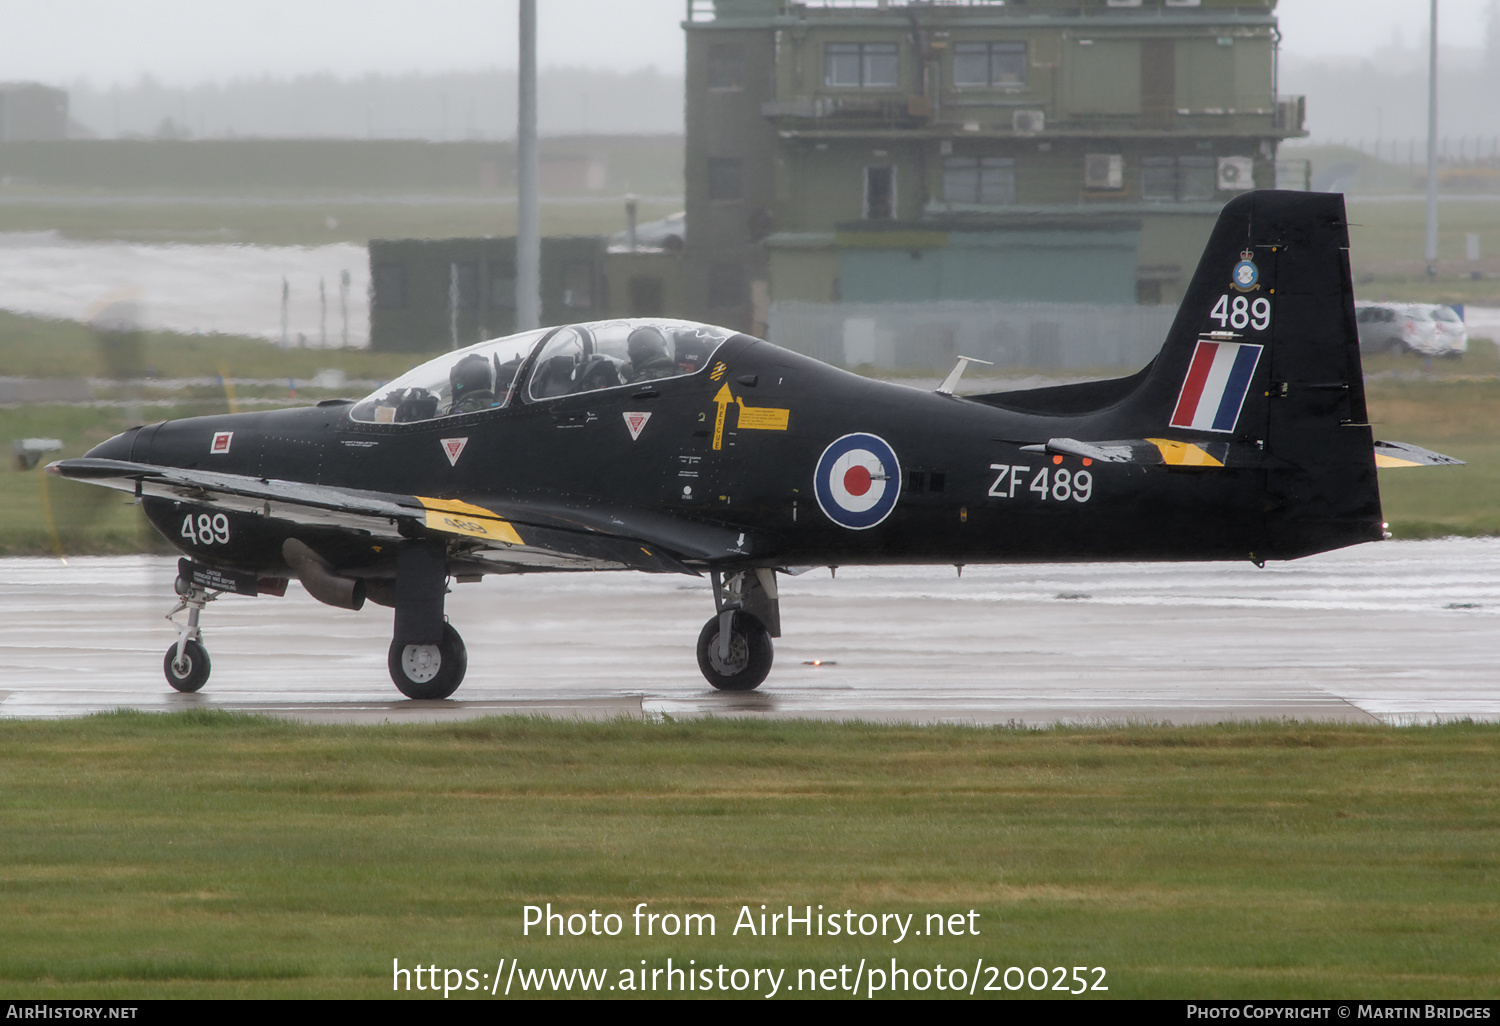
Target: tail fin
1260 373
1265 353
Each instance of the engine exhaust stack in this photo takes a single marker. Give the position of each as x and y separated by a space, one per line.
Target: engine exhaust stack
317 576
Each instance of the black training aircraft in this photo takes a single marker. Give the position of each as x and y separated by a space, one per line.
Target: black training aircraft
671 447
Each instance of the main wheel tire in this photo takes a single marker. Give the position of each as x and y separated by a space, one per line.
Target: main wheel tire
190 674
429 671
750 654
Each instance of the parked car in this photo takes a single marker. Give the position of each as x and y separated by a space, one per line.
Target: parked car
1450 334
1422 328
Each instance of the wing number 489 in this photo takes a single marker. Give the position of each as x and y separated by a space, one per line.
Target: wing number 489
1240 312
204 529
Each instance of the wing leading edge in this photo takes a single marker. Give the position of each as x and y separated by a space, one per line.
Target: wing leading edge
508 534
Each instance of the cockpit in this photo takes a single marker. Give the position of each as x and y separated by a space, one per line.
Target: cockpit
545 364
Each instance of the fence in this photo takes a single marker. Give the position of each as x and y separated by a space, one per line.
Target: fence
931 336
708 10
1452 151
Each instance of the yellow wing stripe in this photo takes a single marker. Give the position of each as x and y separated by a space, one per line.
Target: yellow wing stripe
1382 460
1183 454
454 517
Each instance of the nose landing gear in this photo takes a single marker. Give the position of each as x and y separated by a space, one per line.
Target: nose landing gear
186 664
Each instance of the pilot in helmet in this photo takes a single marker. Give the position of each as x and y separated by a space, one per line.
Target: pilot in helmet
473 384
649 358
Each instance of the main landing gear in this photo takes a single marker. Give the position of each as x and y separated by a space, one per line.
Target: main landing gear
429 671
734 647
427 658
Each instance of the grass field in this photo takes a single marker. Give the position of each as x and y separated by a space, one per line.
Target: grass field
215 855
279 219
85 519
39 347
1460 418
1387 246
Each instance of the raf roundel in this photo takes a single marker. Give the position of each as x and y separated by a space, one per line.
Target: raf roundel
858 481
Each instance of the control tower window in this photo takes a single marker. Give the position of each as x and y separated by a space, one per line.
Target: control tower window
726 66
862 65
988 181
979 65
880 193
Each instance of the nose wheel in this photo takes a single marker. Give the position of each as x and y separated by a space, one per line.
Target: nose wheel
186 664
187 670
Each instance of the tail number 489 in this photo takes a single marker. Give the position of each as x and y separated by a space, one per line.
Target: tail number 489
1240 312
205 529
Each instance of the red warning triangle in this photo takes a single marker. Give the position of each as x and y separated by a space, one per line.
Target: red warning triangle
454 447
636 422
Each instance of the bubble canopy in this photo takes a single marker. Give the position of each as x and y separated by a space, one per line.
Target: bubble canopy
546 364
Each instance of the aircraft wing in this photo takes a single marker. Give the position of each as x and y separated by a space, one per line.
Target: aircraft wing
510 534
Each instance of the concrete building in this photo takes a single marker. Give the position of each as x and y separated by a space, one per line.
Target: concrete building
29 111
938 150
435 294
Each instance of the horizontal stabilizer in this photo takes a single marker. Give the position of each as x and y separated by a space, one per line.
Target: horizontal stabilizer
1165 452
1400 454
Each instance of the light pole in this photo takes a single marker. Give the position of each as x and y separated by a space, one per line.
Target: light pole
528 222
1432 137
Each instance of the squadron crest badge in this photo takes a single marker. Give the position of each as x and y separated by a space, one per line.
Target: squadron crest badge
1246 276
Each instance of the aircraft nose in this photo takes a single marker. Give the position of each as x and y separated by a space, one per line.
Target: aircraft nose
116 448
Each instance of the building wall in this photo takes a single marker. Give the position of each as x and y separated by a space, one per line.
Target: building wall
643 284
1039 266
30 112
729 175
808 273
1086 110
1171 244
412 281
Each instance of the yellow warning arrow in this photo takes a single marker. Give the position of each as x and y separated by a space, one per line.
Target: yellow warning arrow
724 399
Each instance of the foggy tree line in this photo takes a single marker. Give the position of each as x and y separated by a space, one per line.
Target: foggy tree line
455 106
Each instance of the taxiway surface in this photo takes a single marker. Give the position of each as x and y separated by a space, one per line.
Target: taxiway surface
1398 632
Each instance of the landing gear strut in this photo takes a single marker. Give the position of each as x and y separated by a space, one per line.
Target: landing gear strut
734 647
186 664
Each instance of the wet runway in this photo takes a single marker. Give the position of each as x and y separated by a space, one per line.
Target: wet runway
1398 632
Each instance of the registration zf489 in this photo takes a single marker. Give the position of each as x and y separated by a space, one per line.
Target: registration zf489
1059 485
